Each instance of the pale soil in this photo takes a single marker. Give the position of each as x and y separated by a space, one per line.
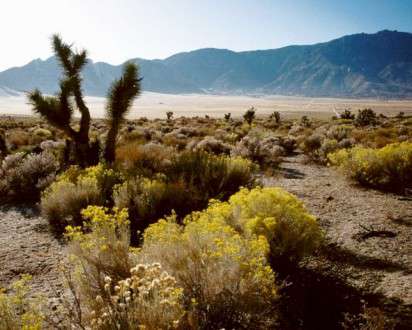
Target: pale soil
28 247
381 266
155 105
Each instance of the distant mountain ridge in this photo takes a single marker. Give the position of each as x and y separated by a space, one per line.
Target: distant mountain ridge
359 65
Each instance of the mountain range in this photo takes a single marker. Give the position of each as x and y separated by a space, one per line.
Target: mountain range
359 65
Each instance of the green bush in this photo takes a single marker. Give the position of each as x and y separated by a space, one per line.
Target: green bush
388 168
213 176
366 117
149 200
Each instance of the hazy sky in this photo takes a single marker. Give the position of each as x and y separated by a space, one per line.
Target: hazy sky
116 30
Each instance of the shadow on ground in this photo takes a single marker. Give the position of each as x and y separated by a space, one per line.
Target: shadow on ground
317 299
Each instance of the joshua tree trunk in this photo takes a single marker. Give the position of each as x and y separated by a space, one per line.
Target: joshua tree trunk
3 146
110 151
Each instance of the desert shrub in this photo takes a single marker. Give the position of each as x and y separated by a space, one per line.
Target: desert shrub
288 143
296 129
74 190
149 299
149 200
347 114
143 159
305 121
39 135
211 145
265 151
328 146
17 311
312 144
388 168
275 214
191 179
175 140
98 249
227 116
112 294
249 115
23 177
213 176
17 138
339 132
225 276
366 117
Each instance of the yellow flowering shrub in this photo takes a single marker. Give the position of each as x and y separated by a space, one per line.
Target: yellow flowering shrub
225 275
274 214
388 168
73 191
99 248
17 311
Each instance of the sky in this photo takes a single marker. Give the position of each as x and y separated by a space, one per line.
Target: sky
116 30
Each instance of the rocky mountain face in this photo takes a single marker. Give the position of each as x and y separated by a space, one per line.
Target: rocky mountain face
360 65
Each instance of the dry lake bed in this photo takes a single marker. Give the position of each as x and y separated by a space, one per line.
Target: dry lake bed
155 105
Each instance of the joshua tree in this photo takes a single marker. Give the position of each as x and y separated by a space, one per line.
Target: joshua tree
249 115
228 116
58 110
120 98
347 114
169 115
275 116
366 117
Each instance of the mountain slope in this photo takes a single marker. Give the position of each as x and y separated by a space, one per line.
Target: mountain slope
360 65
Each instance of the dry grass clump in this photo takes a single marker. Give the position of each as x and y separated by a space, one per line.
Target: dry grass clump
17 311
17 138
23 177
388 168
149 299
143 159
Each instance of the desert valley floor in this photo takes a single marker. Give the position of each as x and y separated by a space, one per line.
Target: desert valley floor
155 105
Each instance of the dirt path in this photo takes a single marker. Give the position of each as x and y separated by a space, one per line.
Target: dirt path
28 247
369 233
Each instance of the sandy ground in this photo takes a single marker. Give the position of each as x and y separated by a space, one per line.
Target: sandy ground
154 105
368 233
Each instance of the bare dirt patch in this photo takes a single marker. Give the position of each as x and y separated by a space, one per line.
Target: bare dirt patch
368 241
